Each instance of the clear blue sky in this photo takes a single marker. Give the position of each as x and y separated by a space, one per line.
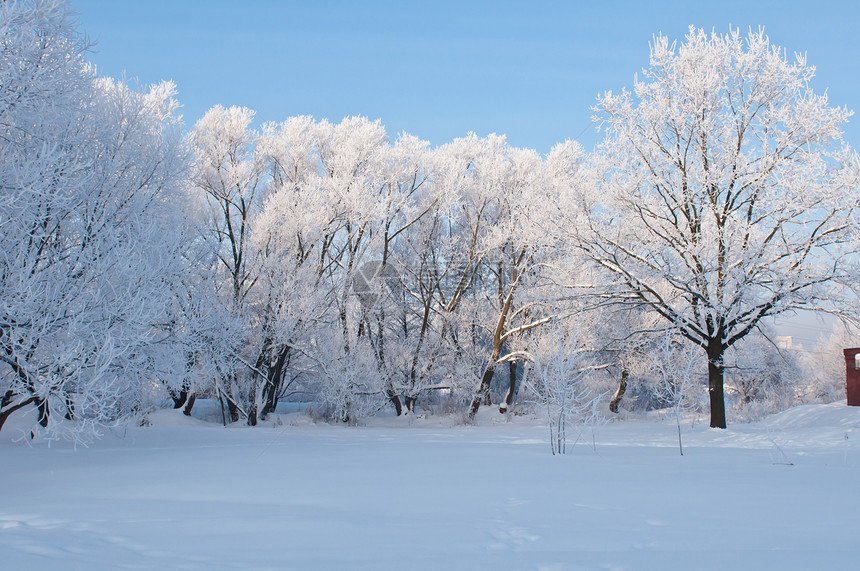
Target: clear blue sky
439 69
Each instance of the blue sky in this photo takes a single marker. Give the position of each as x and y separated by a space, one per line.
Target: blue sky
440 69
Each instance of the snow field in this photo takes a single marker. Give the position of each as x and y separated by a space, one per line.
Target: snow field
186 494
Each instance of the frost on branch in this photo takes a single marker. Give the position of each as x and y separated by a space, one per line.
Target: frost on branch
89 170
559 382
723 192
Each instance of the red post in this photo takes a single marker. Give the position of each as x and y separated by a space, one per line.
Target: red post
852 375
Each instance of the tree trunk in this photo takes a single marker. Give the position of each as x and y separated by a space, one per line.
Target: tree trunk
512 387
179 397
271 402
223 408
619 394
233 410
231 403
395 400
715 384
189 405
483 390
275 380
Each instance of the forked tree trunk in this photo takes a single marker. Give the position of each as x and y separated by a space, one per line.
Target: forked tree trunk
179 397
223 407
380 356
483 389
274 379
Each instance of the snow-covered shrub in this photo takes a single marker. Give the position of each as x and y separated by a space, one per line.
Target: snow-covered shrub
762 379
824 366
559 384
675 362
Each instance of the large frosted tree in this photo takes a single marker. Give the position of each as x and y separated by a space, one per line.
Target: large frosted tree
724 191
89 170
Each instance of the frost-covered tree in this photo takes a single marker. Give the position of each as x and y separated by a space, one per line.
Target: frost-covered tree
824 366
724 192
519 248
89 175
350 177
488 250
762 378
559 382
340 199
396 322
229 177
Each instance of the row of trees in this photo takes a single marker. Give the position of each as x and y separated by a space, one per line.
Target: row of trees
330 263
375 271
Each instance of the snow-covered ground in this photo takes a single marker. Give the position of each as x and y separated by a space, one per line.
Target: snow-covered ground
432 494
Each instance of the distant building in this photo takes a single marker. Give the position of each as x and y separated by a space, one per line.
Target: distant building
784 342
852 375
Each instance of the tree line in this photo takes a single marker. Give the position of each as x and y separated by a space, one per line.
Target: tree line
332 263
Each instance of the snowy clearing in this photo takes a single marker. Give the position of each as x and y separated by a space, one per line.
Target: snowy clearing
187 494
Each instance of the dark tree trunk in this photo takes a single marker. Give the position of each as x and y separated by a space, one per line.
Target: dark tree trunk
271 402
223 408
179 397
189 405
483 390
619 394
182 396
10 395
716 371
230 397
512 387
232 409
395 400
274 378
413 372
